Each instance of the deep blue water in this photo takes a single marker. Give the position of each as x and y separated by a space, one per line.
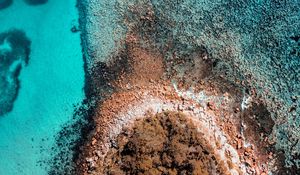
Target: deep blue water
38 98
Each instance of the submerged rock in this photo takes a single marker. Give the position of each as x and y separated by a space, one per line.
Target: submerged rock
14 54
5 3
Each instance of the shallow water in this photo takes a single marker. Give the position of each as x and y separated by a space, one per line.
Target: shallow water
50 85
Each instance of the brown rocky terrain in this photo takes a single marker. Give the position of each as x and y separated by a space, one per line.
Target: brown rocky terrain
143 84
232 62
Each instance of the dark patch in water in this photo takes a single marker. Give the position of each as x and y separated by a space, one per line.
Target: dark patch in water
35 2
5 4
14 51
74 29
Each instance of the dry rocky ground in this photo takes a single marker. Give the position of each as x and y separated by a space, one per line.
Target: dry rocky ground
167 109
231 130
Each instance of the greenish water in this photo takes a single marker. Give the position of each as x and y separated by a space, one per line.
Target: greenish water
50 85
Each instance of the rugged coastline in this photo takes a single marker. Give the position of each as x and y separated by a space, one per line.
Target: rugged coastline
149 71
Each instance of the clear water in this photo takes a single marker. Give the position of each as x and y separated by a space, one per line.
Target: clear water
50 84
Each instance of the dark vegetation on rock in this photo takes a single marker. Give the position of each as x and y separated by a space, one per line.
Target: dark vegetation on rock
167 143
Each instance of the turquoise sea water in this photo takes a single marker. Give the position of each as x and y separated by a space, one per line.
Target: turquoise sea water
50 85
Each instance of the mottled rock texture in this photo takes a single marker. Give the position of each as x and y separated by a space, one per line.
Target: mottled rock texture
167 143
255 43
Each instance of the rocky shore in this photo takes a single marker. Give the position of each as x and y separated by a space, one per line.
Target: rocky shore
144 60
143 84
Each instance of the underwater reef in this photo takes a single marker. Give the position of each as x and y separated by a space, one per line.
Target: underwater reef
5 3
14 54
173 85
